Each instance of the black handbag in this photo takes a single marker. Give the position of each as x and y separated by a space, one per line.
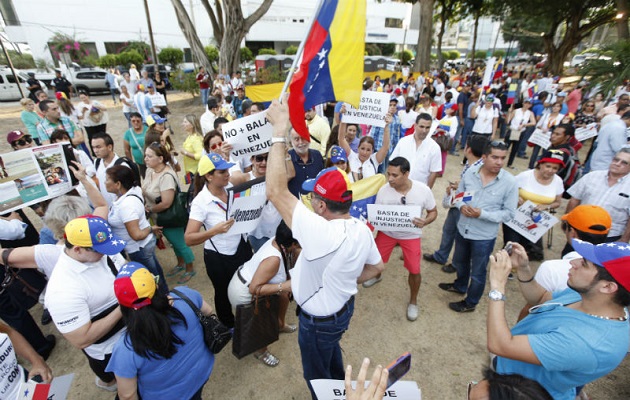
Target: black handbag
22 285
256 324
176 216
215 334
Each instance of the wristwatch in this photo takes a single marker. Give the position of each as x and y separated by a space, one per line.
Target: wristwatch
278 140
495 295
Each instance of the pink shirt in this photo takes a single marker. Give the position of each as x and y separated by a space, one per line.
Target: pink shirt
573 100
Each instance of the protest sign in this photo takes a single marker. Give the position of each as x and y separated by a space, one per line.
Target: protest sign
394 217
489 72
33 175
371 111
586 132
57 389
249 135
332 389
540 138
532 225
245 205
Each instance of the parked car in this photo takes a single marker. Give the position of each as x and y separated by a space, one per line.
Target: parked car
9 90
90 80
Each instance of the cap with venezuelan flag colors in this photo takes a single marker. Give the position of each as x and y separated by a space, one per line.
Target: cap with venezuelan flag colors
134 286
93 232
212 161
332 184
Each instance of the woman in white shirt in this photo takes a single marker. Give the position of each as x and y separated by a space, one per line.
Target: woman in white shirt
223 251
487 117
365 162
546 123
129 222
126 100
407 117
264 275
519 119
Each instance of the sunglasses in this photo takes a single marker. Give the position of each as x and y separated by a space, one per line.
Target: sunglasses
216 145
23 142
497 144
260 158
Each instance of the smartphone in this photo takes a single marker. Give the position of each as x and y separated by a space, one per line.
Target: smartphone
69 154
398 368
508 248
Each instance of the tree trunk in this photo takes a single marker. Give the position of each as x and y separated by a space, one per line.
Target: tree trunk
232 37
423 56
474 43
188 29
440 36
622 23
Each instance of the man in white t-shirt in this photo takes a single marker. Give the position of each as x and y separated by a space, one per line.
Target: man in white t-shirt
213 111
400 190
80 293
337 252
423 154
103 146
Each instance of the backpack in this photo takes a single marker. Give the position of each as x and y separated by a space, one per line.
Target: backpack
132 165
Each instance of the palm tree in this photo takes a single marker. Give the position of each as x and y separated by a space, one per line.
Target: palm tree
611 68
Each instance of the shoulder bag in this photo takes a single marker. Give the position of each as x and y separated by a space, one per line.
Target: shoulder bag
215 334
256 324
176 216
23 286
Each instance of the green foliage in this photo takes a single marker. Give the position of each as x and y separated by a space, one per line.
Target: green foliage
270 75
212 53
20 61
404 56
291 50
454 55
171 55
479 54
43 65
387 49
129 57
185 82
591 50
372 49
264 51
498 53
434 56
246 54
89 61
108 60
141 47
609 73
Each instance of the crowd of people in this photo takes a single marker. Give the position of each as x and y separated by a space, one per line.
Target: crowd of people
107 293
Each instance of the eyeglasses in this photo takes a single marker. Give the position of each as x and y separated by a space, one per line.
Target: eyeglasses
261 158
403 200
497 144
622 162
214 146
23 142
471 384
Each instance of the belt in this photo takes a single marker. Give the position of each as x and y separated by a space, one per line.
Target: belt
331 317
240 277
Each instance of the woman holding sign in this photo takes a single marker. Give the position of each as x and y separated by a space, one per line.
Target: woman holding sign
546 124
542 187
223 252
365 162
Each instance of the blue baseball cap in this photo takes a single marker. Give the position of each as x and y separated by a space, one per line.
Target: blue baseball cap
212 161
614 257
154 119
338 154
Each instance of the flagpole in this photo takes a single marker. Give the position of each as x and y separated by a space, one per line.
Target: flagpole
299 52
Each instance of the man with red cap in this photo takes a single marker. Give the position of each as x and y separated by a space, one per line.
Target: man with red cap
337 252
569 338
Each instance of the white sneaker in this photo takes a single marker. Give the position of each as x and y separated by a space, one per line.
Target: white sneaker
412 312
372 282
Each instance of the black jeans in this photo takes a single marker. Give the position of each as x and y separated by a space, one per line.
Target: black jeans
98 367
220 269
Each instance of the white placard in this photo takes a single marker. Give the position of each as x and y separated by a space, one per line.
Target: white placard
246 212
332 389
540 138
157 99
489 72
371 111
532 226
249 135
394 218
587 132
58 389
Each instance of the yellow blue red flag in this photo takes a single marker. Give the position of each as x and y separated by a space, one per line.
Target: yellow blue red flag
332 62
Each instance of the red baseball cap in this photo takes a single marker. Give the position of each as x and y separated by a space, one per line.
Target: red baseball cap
15 135
331 184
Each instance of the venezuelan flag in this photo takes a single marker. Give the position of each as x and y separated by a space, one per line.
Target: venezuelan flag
512 93
332 63
498 69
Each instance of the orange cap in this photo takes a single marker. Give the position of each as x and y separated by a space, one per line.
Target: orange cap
588 218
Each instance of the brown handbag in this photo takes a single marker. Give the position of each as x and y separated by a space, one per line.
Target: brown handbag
256 324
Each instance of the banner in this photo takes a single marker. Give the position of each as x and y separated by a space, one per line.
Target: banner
249 135
58 389
488 72
372 109
587 132
245 205
540 138
33 175
396 218
332 389
532 225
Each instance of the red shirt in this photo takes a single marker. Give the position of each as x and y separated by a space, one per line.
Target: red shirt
202 84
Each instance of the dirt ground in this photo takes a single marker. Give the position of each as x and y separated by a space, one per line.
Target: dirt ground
448 349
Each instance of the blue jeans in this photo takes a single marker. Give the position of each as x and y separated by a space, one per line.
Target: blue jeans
522 144
458 135
471 261
128 118
448 236
146 256
319 346
468 125
204 96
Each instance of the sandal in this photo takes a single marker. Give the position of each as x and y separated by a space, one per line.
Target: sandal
186 277
267 358
176 270
288 329
110 388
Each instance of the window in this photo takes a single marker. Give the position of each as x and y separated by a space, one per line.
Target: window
1 80
8 13
10 78
393 23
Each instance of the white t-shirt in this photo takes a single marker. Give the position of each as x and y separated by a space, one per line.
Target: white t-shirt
46 257
407 119
424 159
485 116
86 121
519 118
11 373
248 270
530 189
210 210
418 195
207 122
101 175
368 167
333 256
129 207
128 99
553 274
439 92
76 292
